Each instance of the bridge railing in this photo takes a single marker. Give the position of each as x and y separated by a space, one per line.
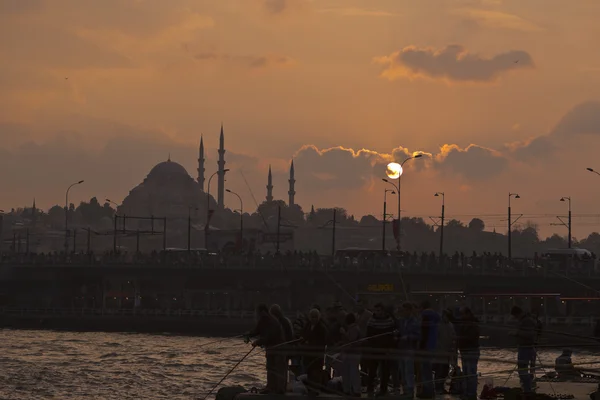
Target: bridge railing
231 314
484 266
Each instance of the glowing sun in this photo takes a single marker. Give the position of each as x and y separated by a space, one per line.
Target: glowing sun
394 170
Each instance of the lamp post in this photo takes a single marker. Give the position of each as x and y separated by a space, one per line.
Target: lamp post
593 170
384 216
398 239
438 194
241 218
569 221
207 228
67 215
112 202
189 244
516 196
1 229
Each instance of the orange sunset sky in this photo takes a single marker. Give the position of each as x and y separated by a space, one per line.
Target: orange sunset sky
502 95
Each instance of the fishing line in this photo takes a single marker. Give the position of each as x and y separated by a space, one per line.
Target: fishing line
228 373
340 286
219 341
574 281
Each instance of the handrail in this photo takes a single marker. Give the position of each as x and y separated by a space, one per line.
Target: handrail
232 314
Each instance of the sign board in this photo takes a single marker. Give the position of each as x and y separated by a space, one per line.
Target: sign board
378 288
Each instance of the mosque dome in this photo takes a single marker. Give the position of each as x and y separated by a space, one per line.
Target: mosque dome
167 170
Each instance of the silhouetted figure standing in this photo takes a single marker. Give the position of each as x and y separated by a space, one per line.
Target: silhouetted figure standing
525 335
380 330
467 341
270 334
315 336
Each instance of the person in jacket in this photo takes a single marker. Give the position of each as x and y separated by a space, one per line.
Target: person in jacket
286 324
380 330
350 357
409 333
315 336
288 330
445 351
363 315
270 334
467 342
564 366
430 321
525 336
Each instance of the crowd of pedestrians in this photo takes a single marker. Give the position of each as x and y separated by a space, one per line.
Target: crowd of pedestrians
406 350
457 263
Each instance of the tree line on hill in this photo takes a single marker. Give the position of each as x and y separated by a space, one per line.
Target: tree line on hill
417 234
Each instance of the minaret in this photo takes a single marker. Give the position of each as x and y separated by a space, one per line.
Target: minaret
270 187
201 169
292 181
221 164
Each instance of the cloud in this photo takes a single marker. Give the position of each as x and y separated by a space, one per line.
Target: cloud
497 20
11 7
474 163
336 167
185 28
276 6
452 63
263 61
53 47
582 120
117 157
358 12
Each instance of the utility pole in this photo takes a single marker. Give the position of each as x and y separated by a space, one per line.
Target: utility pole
189 247
115 235
67 215
510 224
74 240
333 234
278 226
241 219
568 224
27 241
438 194
165 234
89 239
383 224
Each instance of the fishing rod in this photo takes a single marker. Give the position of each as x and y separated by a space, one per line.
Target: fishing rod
228 373
573 335
219 341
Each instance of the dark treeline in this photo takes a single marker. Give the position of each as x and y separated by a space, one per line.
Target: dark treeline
417 235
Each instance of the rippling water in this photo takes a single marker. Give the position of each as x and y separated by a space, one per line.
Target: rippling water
69 365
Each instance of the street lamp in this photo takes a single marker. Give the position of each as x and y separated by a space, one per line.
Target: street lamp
112 202
438 194
593 170
67 215
510 223
385 192
569 222
241 219
399 173
206 228
189 247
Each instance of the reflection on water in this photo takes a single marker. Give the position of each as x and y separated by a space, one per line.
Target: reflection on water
68 365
